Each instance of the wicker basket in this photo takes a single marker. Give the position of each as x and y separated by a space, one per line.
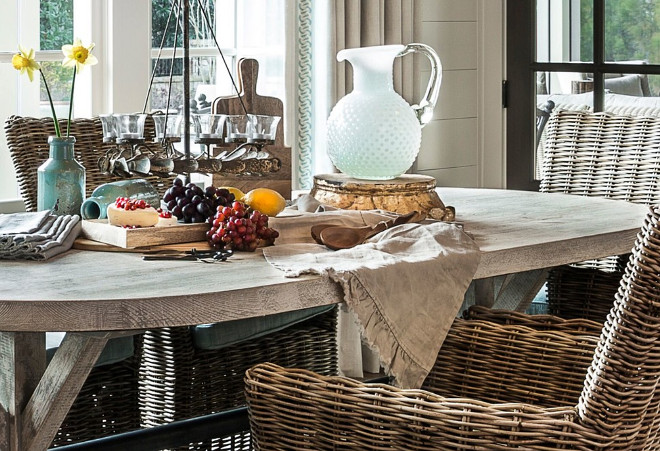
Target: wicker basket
27 139
179 381
603 155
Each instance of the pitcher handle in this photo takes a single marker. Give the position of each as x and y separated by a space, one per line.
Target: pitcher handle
424 110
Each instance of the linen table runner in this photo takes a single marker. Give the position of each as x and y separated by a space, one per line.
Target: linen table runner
405 285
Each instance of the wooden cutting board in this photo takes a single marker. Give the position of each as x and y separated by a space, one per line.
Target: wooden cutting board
99 230
85 244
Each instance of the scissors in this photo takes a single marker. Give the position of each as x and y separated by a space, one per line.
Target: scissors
193 254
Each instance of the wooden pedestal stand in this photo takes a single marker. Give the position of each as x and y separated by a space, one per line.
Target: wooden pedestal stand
279 181
409 192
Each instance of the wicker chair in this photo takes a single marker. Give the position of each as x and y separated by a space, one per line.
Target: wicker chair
542 116
604 155
180 380
493 403
27 139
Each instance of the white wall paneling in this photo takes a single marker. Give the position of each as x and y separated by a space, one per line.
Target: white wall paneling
463 145
449 10
459 144
461 177
455 42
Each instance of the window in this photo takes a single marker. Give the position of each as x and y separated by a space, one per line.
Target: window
125 47
586 54
43 30
239 32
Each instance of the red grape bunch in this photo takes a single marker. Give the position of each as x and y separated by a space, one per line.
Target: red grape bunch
191 203
239 229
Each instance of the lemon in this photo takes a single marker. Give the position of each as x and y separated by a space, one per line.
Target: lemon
266 200
238 194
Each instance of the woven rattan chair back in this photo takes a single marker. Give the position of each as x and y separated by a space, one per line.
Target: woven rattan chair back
619 395
599 154
616 410
27 139
603 155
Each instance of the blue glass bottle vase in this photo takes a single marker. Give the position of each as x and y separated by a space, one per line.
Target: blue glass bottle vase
96 205
61 179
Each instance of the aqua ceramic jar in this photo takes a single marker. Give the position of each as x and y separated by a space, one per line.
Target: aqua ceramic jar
96 206
61 179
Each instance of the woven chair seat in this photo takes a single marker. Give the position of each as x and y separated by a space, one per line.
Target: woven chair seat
603 155
524 382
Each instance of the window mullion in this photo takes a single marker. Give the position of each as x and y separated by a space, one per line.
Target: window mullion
599 54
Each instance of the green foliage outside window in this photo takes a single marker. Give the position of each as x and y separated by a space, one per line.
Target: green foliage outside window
56 30
632 32
199 33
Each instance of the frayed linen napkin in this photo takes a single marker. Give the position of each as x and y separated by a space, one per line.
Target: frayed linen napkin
36 236
405 285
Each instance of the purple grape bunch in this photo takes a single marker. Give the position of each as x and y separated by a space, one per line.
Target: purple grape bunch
192 204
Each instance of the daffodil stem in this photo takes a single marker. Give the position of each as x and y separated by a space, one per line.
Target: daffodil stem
73 85
52 107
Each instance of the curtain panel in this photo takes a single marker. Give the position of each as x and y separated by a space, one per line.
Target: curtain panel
352 23
364 23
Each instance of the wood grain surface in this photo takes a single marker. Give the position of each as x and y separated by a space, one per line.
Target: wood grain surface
85 292
99 230
280 181
81 290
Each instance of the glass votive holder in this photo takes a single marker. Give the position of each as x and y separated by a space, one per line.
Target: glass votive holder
130 126
208 126
264 128
239 128
108 124
167 126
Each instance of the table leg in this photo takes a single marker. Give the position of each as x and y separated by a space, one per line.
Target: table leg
484 292
511 291
22 363
33 411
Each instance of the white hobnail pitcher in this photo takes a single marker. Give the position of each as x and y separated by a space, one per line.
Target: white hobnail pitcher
373 133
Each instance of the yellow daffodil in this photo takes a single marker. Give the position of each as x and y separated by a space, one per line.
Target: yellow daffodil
78 56
24 61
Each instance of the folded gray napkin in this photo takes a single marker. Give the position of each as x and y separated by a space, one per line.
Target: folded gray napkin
36 236
405 285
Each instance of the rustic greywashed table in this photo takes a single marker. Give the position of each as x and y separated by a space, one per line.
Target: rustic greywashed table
99 295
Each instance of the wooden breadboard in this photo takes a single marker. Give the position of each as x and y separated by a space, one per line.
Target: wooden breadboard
280 181
99 230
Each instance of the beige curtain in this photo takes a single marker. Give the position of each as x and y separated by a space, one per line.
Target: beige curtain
363 23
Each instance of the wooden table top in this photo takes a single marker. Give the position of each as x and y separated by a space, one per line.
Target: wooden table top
87 291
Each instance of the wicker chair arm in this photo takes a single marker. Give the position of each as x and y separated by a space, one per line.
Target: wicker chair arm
298 409
512 363
538 322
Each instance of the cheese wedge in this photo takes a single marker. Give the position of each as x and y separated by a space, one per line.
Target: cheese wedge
141 217
167 222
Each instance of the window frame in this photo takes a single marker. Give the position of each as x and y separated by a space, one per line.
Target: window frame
522 66
119 82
